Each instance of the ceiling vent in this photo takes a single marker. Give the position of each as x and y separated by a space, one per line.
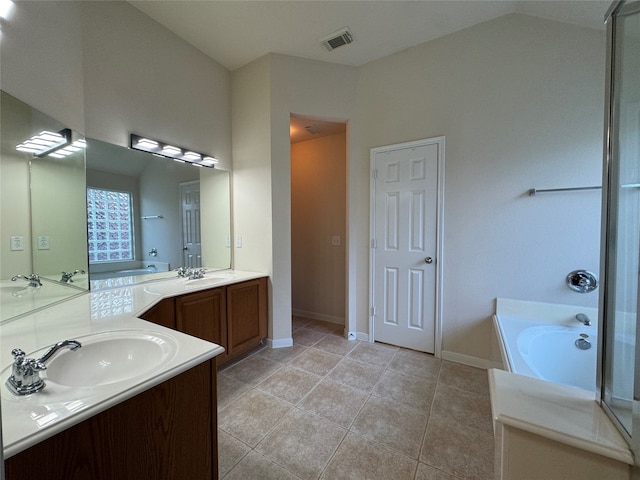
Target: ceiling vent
312 129
337 39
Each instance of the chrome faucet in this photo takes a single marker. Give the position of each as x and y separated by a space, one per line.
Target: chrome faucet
581 317
67 277
25 374
33 279
191 273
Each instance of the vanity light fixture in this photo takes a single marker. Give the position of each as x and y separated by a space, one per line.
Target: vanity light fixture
179 154
55 144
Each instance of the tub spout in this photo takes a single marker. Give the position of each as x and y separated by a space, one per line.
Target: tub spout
581 317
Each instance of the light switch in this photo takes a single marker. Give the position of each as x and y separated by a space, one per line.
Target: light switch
227 241
43 242
238 241
17 243
335 240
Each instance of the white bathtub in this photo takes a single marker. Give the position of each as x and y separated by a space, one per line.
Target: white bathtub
538 340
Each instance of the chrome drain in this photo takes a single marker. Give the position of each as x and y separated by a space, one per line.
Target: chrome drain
583 344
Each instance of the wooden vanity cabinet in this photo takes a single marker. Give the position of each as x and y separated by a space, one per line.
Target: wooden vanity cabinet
233 316
203 315
166 432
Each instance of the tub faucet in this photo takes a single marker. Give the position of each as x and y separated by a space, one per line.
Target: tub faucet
33 279
581 317
25 374
67 277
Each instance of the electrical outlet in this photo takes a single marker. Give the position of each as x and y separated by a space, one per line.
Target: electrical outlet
17 243
238 241
227 241
43 242
335 240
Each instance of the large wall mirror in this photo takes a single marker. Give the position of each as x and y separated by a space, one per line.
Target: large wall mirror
43 202
99 213
150 214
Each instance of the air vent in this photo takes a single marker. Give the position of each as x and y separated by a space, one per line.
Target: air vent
312 129
337 39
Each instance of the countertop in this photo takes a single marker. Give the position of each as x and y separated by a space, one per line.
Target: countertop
30 419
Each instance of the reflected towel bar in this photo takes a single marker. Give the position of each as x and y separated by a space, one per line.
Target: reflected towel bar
533 191
148 217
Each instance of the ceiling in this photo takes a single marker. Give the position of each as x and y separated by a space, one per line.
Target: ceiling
236 32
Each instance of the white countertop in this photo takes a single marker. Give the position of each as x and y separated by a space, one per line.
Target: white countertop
568 415
30 419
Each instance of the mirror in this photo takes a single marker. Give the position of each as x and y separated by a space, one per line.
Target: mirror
161 210
42 222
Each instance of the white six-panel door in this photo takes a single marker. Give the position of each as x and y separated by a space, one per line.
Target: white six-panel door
405 230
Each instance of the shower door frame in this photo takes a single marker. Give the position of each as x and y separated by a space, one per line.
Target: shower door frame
610 204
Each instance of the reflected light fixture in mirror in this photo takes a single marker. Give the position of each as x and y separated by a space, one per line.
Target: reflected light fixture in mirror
179 154
55 144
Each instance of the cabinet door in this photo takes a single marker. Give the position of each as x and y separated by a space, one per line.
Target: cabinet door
203 315
246 315
162 313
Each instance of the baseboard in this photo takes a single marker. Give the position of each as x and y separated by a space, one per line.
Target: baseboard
279 343
469 360
318 316
350 335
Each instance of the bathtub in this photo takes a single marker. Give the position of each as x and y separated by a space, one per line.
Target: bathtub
539 340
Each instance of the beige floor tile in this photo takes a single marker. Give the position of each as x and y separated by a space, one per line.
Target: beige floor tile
282 355
250 417
253 370
464 452
392 424
229 389
303 443
415 392
316 361
255 467
373 353
230 452
335 401
337 345
416 363
356 374
325 327
426 472
464 377
297 321
307 337
289 384
462 407
361 459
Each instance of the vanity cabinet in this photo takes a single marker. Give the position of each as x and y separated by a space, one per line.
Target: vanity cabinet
233 316
168 431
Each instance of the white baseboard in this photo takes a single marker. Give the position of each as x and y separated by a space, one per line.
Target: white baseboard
469 360
279 343
318 316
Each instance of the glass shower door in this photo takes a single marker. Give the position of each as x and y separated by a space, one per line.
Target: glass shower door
620 383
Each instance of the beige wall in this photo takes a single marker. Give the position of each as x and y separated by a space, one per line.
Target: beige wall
318 212
520 101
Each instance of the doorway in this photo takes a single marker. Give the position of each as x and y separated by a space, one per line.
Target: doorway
407 195
318 219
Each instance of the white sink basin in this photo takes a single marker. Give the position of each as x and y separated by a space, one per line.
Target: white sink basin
108 358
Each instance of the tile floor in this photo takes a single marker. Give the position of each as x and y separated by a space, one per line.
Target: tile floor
333 409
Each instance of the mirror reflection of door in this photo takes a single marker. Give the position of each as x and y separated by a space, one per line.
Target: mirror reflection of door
191 241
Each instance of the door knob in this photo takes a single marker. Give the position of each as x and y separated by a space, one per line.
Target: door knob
428 260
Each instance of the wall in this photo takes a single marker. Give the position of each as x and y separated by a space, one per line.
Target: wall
520 101
318 212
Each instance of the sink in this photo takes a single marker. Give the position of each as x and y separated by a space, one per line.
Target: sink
108 358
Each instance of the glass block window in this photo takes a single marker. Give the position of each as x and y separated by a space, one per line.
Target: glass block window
110 225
